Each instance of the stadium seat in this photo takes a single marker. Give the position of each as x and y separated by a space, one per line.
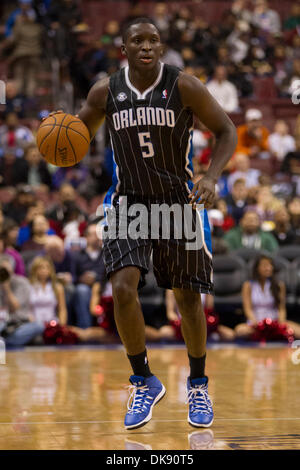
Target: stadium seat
230 271
295 273
289 252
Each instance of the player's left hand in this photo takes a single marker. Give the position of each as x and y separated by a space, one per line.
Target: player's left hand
203 192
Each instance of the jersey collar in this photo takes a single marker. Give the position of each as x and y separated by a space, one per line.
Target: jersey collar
139 95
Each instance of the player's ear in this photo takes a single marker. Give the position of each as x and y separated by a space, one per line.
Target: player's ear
123 50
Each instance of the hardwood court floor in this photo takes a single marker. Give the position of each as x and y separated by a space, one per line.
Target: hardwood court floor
75 399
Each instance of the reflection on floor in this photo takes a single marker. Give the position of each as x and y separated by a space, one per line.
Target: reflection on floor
76 399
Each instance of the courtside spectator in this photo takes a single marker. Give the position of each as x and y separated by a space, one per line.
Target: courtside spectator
47 298
89 269
16 323
264 297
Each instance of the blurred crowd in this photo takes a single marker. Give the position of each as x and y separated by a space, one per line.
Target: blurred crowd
51 267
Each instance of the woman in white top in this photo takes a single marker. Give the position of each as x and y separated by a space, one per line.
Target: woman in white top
47 296
263 297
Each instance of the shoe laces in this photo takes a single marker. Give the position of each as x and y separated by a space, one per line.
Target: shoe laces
199 399
137 401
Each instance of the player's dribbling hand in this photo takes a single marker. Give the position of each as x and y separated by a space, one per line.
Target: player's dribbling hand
203 192
52 113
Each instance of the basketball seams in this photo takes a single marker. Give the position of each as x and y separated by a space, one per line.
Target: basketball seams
71 144
67 127
58 138
47 135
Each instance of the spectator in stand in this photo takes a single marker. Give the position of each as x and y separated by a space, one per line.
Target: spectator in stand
253 136
64 264
16 323
264 297
11 168
249 235
290 83
38 234
89 269
266 204
265 18
14 100
280 142
240 11
294 212
10 235
291 166
283 231
237 200
172 57
242 170
228 220
36 208
63 16
294 19
17 208
36 171
223 91
27 41
162 18
47 298
25 8
14 135
56 214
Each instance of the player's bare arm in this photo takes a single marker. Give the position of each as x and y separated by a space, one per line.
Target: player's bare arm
196 97
93 111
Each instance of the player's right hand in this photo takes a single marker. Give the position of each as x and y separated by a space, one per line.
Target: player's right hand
52 113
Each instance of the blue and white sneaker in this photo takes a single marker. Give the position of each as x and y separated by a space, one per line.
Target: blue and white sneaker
145 393
200 406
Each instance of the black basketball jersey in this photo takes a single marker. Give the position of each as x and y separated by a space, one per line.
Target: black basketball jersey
151 134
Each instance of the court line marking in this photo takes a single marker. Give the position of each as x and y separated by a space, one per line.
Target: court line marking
154 421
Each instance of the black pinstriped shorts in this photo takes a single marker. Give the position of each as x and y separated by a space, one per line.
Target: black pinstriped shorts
173 264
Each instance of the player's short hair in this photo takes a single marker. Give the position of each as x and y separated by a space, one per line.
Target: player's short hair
142 19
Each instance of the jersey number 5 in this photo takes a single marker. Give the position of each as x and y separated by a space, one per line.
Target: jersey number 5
144 138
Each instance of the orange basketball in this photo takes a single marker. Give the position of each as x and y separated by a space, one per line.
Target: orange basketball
63 139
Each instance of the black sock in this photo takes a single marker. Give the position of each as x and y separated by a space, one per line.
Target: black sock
197 365
139 364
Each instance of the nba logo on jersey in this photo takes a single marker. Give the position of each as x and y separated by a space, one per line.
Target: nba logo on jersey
121 96
164 94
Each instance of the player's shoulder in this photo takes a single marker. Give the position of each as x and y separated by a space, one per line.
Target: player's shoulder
98 93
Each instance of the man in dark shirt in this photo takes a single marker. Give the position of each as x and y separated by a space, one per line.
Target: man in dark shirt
237 200
89 268
283 231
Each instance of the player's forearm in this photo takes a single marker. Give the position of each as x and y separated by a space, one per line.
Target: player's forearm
223 150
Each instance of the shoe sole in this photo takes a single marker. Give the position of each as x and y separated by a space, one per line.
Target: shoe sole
196 425
149 416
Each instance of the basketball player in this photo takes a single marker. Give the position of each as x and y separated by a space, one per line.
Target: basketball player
149 109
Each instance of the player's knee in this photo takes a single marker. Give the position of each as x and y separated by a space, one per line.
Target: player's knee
124 294
188 303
